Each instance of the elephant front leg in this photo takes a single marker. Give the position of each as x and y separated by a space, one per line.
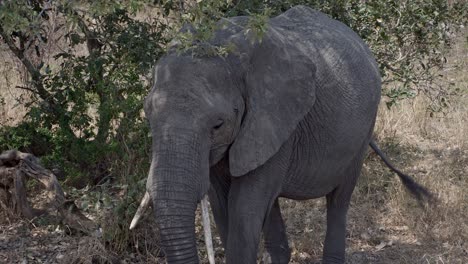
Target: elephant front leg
276 241
250 202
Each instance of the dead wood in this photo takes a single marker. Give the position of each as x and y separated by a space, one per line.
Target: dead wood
15 168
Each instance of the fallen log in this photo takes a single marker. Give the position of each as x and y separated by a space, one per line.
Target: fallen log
15 169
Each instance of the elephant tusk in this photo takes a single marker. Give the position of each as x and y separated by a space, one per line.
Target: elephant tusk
207 229
141 210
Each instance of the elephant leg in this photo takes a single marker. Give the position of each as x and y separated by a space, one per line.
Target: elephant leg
250 201
276 241
334 248
218 195
337 209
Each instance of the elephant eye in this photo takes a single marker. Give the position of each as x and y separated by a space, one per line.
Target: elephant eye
219 124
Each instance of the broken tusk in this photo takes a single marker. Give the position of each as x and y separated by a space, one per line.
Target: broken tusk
141 210
207 229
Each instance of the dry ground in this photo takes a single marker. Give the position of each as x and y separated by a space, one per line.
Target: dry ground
385 225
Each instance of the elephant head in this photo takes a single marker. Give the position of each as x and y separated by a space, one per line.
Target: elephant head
201 109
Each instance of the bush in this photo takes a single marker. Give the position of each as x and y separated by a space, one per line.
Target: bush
87 100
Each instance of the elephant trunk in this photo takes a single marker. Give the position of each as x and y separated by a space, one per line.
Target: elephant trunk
177 182
175 217
205 219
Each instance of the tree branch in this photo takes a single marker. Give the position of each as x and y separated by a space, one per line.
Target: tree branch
26 88
36 76
37 80
94 48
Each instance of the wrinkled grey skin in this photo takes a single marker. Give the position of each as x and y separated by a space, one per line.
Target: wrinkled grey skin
291 117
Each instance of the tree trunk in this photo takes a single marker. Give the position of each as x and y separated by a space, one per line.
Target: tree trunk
15 167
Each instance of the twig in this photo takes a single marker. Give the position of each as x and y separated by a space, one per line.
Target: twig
26 88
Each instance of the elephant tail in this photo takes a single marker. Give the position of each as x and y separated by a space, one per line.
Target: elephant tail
417 190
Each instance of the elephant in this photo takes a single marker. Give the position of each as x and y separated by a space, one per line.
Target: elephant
288 115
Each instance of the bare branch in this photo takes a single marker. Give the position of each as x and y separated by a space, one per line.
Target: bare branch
32 70
26 88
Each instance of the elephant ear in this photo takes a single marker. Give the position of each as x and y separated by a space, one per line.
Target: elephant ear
280 91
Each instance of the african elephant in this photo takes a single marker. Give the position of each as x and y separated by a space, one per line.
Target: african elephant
290 115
